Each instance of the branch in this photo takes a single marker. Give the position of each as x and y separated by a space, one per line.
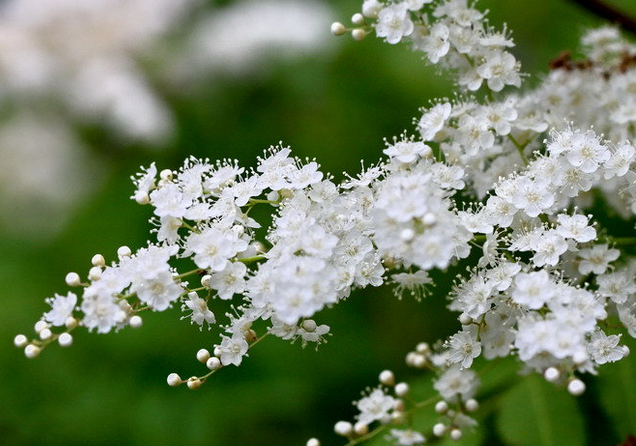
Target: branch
608 12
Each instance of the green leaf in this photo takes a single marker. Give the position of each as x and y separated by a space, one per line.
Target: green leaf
534 412
617 393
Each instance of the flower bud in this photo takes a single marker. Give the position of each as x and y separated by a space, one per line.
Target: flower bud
136 321
456 434
357 19
203 355
70 322
361 428
439 429
65 340
552 374
72 279
194 383
174 380
387 378
313 442
31 351
94 273
343 428
401 389
20 341
441 407
45 334
309 325
124 251
40 325
213 363
576 387
98 260
338 29
358 34
471 405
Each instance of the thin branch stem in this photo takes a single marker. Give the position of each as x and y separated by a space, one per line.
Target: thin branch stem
609 12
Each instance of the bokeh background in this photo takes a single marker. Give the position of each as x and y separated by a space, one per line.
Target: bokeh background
228 79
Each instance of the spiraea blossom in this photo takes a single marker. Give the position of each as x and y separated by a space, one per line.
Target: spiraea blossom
504 187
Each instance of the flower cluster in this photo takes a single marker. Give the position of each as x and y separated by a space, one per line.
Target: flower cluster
510 180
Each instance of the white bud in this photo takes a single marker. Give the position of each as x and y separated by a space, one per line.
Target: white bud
94 273
31 351
343 428
407 234
124 251
194 383
441 407
213 363
358 34
313 442
429 219
552 374
464 319
142 198
72 279
357 19
203 355
439 429
166 175
423 348
40 325
98 260
471 405
397 417
217 351
20 341
387 378
45 334
411 359
361 428
399 405
205 281
65 340
70 322
419 361
174 380
371 9
576 387
309 325
401 389
337 29
456 434
625 351
136 321
273 196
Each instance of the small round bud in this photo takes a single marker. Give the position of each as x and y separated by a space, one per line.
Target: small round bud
371 9
552 374
142 198
423 348
397 417
456 434
250 335
343 428
203 355
40 325
407 234
136 321
471 405
124 251
361 428
213 363
626 351
31 351
313 442
217 351
338 29
45 334
387 378
166 175
439 429
358 34
20 341
386 419
272 196
65 340
411 358
174 380
401 389
72 279
576 387
464 319
98 260
429 219
94 273
205 281
194 383
441 407
419 361
399 405
309 325
70 322
357 19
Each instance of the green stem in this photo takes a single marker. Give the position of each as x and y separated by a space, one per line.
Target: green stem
248 260
520 148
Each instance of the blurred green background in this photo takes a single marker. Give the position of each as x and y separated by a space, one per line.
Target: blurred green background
337 107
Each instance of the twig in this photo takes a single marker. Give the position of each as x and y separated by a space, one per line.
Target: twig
608 12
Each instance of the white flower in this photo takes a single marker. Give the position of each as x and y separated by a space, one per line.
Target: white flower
213 247
394 23
575 227
159 292
533 289
433 120
455 382
407 437
407 151
61 308
596 259
374 406
233 349
229 281
200 313
604 349
464 348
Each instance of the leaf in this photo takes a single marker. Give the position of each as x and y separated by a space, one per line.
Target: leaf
534 412
617 393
